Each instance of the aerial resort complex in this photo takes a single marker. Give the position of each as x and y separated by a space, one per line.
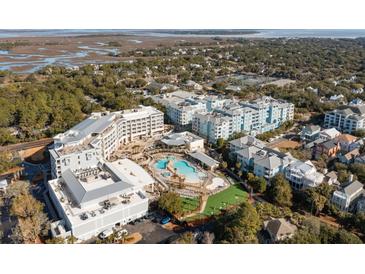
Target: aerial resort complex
108 168
188 137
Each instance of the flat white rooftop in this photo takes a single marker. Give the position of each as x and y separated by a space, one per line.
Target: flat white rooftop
82 193
80 215
130 172
105 180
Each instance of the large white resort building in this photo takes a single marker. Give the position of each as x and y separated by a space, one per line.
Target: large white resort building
102 134
91 194
108 195
214 117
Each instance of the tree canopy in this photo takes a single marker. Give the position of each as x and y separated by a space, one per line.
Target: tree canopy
280 191
171 202
239 227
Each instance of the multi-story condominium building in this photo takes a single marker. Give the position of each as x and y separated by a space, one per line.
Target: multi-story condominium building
100 135
345 198
214 102
182 113
302 175
258 116
106 195
346 119
253 118
240 118
180 106
269 113
211 126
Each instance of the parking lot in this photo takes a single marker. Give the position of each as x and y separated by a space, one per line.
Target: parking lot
152 232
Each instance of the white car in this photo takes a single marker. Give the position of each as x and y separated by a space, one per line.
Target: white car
121 233
105 234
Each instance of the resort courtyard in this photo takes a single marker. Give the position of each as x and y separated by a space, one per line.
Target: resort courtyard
184 176
178 163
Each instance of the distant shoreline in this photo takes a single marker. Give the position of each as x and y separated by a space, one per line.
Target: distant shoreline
244 33
208 32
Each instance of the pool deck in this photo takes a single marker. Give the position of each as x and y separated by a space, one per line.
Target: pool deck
185 188
176 171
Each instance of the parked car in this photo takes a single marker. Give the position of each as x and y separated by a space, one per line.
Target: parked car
105 234
165 220
121 233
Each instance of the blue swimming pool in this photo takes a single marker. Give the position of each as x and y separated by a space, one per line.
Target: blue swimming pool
182 167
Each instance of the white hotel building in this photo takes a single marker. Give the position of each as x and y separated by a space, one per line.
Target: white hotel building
105 196
90 194
98 136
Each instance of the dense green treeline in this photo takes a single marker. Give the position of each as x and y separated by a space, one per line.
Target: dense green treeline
56 98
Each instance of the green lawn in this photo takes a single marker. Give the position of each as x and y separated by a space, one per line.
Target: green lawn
231 196
190 204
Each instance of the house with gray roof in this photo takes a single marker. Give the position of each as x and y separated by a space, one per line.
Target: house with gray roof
245 142
360 159
310 133
266 162
349 157
329 148
329 134
346 197
246 157
302 175
268 166
279 229
330 178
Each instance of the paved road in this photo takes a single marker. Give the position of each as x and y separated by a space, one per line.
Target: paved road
23 146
